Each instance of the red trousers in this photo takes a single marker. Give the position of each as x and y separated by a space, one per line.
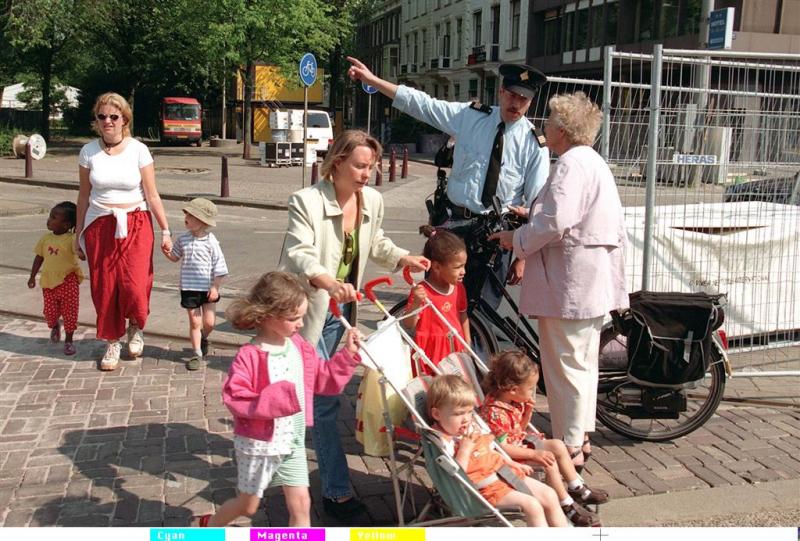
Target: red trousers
62 301
121 272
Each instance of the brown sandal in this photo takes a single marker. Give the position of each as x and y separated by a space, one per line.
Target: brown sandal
575 454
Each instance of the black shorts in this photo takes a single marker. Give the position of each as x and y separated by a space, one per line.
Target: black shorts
195 299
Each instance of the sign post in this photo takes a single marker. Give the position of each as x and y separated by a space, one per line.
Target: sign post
308 75
370 90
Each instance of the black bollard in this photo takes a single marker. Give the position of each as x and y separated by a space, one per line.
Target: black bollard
314 173
28 161
379 173
404 171
392 166
224 187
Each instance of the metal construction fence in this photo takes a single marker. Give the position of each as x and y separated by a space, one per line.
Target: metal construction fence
705 148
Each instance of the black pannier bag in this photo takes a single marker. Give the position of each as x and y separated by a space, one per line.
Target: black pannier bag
669 337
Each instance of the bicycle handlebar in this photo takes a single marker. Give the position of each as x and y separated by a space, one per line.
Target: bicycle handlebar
333 306
369 286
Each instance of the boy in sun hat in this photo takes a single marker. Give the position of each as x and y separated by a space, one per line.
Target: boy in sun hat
202 269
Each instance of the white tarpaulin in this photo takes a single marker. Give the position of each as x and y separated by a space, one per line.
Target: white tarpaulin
748 250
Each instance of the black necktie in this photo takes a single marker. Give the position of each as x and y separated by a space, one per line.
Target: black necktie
493 171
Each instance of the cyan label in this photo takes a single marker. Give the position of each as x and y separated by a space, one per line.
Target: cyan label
187 534
287 534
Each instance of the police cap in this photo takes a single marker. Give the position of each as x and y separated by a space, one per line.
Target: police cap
522 79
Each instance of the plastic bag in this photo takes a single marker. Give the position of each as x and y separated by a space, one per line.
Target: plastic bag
390 351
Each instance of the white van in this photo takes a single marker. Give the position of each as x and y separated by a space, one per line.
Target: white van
320 130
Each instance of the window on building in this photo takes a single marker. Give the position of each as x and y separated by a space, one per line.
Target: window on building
456 91
477 40
644 20
495 26
668 19
446 92
435 91
569 32
394 62
611 23
473 89
408 49
552 32
416 48
459 41
516 10
424 46
491 86
446 41
437 40
596 37
582 28
690 16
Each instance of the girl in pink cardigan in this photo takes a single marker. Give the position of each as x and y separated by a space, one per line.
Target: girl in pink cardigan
269 391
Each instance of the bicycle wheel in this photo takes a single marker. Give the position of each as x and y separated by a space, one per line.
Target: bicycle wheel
483 343
619 401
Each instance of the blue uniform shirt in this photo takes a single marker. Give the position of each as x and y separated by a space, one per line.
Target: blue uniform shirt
525 165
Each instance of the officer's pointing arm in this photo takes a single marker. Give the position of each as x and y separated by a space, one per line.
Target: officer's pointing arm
358 71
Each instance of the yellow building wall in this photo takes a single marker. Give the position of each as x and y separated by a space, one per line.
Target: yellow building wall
271 86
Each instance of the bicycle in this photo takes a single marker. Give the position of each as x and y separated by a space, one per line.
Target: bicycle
625 406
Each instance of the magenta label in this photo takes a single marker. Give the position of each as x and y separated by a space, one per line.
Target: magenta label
287 534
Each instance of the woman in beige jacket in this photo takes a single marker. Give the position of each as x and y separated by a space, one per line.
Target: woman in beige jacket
334 228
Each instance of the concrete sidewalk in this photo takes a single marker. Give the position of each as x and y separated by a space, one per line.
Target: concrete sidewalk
186 172
150 445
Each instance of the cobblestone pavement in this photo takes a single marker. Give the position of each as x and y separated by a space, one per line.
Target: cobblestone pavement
150 444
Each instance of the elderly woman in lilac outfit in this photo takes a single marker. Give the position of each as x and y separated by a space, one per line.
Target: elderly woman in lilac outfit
574 267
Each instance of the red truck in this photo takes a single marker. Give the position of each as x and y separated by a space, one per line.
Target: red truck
181 120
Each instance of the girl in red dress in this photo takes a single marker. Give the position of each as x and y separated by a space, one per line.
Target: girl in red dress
443 287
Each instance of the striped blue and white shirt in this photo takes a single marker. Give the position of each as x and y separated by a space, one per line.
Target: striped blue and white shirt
201 261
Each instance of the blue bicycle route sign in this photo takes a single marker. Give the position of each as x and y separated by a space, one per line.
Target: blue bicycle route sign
308 69
369 89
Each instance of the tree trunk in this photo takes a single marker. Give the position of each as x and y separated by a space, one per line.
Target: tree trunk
131 101
47 76
223 129
334 66
248 109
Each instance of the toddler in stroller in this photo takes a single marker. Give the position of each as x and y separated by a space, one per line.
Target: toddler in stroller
500 480
509 386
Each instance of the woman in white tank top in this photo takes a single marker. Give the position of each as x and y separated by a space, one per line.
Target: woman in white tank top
115 226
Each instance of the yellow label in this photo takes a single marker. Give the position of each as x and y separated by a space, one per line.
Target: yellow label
387 534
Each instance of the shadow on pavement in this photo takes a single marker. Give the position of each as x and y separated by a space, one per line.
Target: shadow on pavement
144 475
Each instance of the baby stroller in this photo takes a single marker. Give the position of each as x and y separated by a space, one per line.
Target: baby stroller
453 489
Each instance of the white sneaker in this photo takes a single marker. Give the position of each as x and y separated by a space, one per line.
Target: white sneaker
111 357
135 341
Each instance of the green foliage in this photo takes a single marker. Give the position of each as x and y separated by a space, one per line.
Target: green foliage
149 49
6 137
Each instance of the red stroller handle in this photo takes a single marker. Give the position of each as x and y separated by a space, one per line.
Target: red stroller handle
369 286
333 306
407 275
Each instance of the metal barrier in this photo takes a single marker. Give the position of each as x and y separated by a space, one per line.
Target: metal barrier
705 148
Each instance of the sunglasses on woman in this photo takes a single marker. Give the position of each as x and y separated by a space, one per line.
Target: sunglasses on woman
101 117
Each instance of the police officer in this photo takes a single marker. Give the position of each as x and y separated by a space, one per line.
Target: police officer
497 151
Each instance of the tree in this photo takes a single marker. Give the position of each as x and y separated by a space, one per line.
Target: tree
44 33
271 31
